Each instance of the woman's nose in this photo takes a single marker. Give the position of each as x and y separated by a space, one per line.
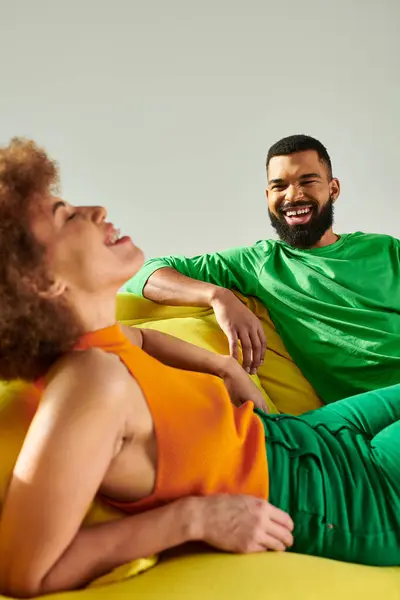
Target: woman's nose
98 214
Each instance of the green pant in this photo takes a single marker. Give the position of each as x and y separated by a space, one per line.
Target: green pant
336 471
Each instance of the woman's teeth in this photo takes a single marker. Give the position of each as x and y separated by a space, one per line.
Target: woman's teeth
116 234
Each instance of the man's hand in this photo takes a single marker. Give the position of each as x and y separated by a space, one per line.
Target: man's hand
242 524
240 324
241 388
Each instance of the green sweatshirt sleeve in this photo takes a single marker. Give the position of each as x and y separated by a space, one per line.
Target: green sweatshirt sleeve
236 268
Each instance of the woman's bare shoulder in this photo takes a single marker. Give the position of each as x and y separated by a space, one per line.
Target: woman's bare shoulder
92 373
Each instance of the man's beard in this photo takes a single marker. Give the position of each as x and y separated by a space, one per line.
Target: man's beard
307 235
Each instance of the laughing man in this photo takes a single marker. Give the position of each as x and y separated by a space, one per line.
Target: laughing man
334 298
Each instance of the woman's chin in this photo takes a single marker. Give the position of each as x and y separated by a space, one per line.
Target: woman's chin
134 267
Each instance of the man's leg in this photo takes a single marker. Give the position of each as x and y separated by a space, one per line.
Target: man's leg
335 471
370 412
363 494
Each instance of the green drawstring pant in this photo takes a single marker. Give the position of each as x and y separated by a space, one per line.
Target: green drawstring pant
336 471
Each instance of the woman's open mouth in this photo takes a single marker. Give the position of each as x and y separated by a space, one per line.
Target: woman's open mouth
114 237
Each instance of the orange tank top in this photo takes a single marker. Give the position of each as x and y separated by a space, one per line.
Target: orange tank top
205 445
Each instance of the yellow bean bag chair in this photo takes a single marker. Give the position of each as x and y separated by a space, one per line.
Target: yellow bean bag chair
195 574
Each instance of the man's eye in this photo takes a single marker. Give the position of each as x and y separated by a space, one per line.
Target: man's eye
72 216
309 182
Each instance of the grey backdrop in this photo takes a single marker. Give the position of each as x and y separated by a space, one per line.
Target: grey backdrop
164 110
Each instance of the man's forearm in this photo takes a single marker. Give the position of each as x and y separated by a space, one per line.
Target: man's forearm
168 286
98 549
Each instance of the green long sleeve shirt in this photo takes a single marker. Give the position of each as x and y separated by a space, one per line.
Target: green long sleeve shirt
336 308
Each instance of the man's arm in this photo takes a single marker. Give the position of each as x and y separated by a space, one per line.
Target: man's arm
169 286
236 268
207 280
67 451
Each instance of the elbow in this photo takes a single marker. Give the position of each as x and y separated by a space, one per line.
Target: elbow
20 583
24 585
22 588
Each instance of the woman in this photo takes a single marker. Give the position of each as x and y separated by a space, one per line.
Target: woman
147 422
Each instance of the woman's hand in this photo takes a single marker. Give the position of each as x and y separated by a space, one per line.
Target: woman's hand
242 524
241 388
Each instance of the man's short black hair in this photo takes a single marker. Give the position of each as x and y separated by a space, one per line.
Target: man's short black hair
300 143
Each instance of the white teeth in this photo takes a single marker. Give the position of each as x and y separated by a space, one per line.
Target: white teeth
116 234
300 211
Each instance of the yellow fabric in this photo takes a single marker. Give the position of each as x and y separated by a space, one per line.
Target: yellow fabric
214 576
210 575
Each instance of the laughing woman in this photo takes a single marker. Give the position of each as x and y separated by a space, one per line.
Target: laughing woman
174 436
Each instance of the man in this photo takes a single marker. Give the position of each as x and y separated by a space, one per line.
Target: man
334 299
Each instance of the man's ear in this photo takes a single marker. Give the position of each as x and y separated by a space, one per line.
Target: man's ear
334 189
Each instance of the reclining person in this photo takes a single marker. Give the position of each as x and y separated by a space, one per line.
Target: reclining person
334 299
147 421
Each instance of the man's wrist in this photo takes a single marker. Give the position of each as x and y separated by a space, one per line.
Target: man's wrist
219 295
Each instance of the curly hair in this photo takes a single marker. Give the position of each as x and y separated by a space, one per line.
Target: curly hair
34 331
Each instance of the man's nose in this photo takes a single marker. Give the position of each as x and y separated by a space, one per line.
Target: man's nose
294 193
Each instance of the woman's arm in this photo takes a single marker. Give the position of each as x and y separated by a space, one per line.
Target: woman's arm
182 355
177 353
67 451
98 549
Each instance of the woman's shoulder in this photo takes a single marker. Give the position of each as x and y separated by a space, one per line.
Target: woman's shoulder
91 373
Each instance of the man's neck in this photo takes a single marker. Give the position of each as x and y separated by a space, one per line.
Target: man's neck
327 239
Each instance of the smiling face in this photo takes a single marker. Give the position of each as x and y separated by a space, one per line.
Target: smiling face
301 193
60 266
84 253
